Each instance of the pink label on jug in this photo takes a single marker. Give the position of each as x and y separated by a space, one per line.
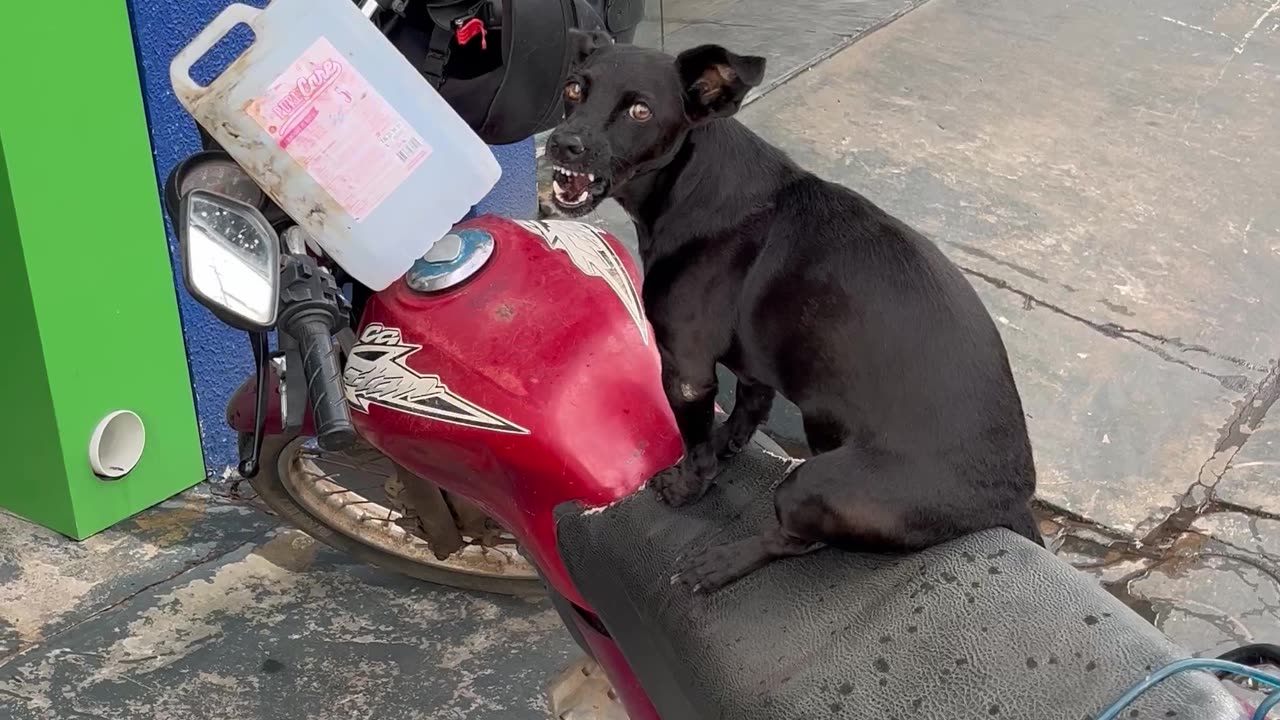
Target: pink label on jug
333 123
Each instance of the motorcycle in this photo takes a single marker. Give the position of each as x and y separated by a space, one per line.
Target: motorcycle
420 531
514 368
509 386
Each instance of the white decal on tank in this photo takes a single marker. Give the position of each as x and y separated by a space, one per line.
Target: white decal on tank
593 255
377 374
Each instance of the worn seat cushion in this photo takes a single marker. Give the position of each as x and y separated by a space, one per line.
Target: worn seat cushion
984 627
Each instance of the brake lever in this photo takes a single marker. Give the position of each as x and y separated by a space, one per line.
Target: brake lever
346 338
262 360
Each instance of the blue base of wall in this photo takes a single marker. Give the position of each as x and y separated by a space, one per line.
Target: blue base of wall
219 357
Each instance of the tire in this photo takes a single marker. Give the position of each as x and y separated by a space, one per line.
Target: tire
274 492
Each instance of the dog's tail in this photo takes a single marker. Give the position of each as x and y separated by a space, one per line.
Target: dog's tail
1256 655
1027 527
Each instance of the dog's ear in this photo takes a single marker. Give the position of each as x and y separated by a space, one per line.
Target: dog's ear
716 81
583 44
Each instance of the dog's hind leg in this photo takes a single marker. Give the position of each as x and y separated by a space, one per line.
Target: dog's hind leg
845 497
720 565
750 408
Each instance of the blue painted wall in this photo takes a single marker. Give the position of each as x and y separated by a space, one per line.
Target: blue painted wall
219 357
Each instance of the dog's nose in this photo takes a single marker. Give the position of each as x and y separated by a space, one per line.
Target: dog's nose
567 144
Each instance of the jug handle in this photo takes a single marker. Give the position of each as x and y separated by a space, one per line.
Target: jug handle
187 89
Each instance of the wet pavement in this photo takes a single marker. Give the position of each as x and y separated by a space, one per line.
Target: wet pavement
1105 173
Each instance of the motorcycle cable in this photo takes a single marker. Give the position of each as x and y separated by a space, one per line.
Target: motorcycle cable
1216 666
1265 708
262 359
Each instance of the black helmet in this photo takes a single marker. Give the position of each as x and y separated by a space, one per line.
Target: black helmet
500 64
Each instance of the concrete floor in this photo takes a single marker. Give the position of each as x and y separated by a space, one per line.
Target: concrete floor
206 608
1104 171
793 36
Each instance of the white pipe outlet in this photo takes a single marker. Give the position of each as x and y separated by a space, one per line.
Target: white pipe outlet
117 444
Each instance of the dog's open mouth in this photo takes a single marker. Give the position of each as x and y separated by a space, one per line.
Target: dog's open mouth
572 189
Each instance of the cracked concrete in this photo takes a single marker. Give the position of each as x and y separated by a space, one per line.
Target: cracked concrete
206 608
1250 476
51 585
1210 586
793 40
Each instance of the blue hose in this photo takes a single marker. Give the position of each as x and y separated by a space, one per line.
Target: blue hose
1266 706
1181 666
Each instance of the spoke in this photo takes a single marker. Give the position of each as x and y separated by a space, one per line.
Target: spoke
317 479
382 523
317 476
354 456
350 490
348 466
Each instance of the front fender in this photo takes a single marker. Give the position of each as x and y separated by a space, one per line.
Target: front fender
240 409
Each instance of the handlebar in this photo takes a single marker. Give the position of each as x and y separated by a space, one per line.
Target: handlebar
334 430
310 308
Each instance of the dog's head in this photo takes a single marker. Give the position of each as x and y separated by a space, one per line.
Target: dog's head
628 109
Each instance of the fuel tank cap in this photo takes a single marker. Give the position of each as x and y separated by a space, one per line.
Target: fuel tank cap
454 258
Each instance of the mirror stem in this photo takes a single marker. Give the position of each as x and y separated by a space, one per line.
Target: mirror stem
262 359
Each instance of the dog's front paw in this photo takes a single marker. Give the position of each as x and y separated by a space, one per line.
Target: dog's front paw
678 486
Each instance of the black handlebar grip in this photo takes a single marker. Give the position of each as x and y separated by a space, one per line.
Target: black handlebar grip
334 430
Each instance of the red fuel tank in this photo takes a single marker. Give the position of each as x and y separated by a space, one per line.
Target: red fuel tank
532 382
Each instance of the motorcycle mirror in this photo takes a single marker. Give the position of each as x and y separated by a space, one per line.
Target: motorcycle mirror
230 259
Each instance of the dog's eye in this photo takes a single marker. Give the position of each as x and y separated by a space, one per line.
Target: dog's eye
573 91
640 112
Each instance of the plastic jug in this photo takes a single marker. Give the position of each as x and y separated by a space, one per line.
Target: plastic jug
341 131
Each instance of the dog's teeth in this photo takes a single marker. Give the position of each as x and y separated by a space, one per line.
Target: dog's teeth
555 185
591 178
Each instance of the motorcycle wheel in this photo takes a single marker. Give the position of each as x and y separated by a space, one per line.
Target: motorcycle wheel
293 480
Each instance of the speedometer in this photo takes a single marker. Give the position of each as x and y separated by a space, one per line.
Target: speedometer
220 174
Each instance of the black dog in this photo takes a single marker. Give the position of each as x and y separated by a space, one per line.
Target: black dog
802 287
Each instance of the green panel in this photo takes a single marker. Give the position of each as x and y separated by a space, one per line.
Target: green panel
29 440
85 268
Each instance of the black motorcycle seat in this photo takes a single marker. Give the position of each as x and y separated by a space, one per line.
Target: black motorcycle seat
988 626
